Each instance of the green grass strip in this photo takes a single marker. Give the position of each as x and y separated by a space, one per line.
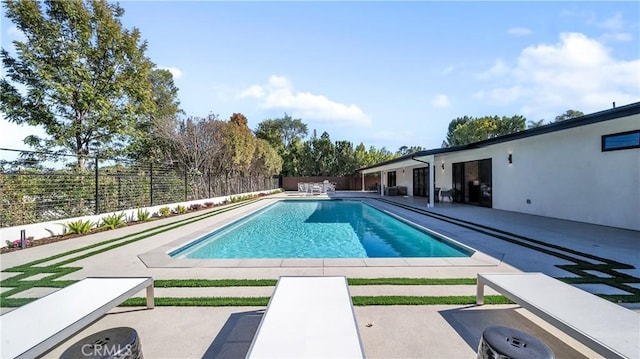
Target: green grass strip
358 301
412 281
416 300
184 283
15 302
200 302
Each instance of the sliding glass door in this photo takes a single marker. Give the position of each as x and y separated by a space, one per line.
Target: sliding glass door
421 181
472 182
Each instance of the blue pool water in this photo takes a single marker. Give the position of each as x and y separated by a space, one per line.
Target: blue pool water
319 229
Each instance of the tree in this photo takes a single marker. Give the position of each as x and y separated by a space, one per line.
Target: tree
148 143
239 144
567 115
345 160
280 132
534 124
404 150
452 127
266 161
468 130
79 74
195 144
323 155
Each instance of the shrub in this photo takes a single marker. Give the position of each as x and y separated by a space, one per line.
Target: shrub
17 243
113 221
209 204
180 209
78 227
195 207
164 211
143 214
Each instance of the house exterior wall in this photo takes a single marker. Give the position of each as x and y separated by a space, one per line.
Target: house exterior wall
563 174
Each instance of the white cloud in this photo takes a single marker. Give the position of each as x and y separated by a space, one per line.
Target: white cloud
498 69
578 73
279 93
614 23
176 72
440 101
519 31
614 29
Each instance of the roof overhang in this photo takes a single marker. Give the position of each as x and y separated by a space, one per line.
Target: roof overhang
402 162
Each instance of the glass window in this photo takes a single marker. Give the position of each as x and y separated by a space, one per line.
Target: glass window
391 179
621 141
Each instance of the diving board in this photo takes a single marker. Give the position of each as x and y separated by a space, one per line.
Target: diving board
607 328
37 327
308 317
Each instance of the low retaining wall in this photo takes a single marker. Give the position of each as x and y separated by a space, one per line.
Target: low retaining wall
56 227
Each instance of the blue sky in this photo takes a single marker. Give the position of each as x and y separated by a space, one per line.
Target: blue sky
387 74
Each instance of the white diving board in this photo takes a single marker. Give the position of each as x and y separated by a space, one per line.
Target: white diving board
607 328
37 327
308 317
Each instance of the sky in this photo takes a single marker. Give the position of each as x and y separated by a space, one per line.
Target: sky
385 74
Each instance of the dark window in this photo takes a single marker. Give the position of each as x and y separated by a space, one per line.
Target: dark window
621 141
391 179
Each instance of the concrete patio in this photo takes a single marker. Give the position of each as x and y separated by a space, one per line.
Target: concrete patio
438 331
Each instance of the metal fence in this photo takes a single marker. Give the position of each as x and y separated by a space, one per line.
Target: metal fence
30 194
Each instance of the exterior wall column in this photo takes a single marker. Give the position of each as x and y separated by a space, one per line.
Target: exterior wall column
362 181
432 180
381 184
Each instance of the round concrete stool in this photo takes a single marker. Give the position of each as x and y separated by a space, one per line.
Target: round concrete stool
121 342
502 342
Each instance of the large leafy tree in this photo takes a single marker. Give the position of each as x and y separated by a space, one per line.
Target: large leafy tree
280 132
239 144
405 150
79 74
149 141
285 135
567 115
452 127
468 129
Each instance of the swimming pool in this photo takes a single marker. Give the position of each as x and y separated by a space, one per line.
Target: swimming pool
319 229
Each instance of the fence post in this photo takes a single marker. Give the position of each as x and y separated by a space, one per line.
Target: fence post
97 187
209 181
151 184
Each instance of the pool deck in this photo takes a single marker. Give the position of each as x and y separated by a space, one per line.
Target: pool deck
396 331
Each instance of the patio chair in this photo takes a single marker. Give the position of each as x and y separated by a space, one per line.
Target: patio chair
446 193
328 186
316 188
302 188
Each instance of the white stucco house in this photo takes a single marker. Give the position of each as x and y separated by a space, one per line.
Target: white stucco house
585 169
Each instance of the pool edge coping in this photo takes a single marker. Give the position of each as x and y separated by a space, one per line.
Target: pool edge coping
159 257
